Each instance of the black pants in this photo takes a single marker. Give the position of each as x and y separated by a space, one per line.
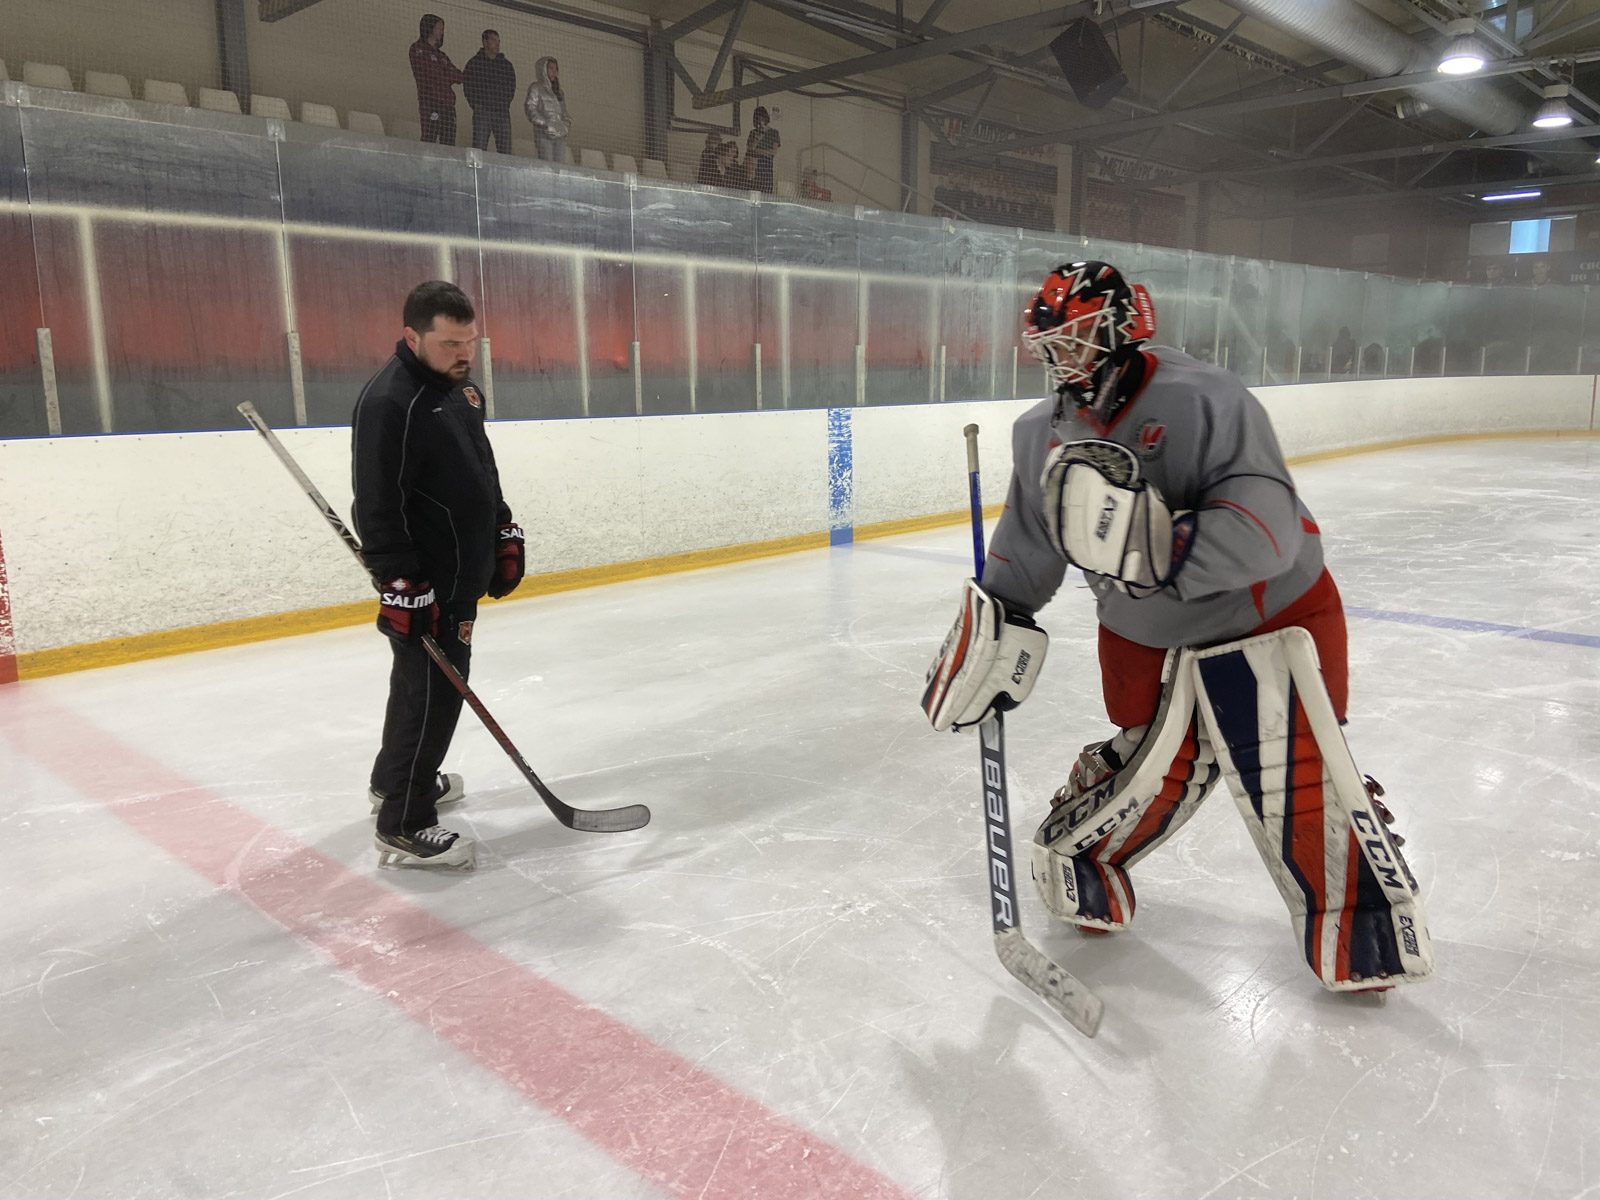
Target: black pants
439 127
492 124
419 723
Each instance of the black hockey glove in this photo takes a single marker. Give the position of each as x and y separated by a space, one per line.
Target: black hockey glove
510 561
407 609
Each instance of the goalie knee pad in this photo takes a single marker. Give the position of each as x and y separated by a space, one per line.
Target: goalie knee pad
1083 849
988 663
1352 898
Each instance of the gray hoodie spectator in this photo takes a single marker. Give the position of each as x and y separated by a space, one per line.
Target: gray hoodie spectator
546 107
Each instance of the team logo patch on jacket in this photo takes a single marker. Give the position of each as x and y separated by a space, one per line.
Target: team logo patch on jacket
464 633
471 393
1150 437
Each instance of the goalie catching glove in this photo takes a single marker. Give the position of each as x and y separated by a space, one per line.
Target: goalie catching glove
1101 516
988 663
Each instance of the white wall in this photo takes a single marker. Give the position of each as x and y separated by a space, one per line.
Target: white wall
109 537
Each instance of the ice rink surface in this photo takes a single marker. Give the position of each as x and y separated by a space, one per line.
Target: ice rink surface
784 987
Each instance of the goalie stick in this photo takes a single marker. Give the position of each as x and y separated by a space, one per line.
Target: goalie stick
607 820
1058 988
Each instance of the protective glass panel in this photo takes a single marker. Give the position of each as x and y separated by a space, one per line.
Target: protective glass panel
1555 329
978 320
1279 345
531 304
1377 303
696 298
23 411
192 326
1330 314
816 254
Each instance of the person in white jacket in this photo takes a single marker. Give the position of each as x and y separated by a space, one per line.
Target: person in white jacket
546 107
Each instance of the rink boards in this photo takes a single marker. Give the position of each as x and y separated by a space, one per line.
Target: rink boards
124 547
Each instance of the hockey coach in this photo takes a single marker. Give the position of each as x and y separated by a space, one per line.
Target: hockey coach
1221 641
436 535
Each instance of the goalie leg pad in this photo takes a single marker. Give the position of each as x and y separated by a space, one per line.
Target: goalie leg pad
1083 849
1353 901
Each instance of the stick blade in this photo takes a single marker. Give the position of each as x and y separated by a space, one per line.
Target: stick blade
1053 984
610 820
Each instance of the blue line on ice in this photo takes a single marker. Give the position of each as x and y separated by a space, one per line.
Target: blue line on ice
1518 631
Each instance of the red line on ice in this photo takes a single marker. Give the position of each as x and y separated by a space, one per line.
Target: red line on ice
676 1125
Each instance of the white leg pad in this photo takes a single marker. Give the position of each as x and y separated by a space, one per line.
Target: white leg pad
1083 849
1353 902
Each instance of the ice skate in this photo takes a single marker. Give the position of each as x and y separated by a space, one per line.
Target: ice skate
449 788
434 846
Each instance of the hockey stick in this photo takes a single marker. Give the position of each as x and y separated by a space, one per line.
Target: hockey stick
1059 989
608 820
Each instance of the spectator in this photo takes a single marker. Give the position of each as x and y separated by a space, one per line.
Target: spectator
1372 359
1540 273
759 149
490 85
737 173
1344 352
709 172
436 78
811 186
546 106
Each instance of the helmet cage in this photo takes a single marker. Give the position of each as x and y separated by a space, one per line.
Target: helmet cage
1071 351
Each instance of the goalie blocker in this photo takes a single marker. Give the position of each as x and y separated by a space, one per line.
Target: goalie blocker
988 663
1257 712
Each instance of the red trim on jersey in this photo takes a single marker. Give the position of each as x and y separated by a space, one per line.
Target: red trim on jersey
1253 517
1258 593
1307 525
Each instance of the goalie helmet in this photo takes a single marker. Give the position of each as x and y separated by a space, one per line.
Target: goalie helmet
1084 323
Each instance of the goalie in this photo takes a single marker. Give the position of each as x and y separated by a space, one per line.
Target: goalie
1221 643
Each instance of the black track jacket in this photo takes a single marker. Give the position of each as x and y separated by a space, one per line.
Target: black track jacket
427 494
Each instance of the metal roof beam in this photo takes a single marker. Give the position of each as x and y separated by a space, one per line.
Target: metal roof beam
933 48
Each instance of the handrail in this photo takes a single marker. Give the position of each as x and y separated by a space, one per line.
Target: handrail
866 166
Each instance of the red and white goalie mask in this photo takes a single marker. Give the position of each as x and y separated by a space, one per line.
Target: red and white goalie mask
1086 315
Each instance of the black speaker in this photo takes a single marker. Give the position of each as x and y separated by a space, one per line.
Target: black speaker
1086 60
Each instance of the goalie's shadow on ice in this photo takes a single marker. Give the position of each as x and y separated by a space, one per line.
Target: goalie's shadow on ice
987 1153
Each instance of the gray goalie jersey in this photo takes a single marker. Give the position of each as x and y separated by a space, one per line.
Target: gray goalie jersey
1206 444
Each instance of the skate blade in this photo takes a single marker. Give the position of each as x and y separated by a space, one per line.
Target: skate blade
463 859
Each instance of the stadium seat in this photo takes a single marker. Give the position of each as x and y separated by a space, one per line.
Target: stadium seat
274 108
623 164
595 160
785 188
47 75
319 114
161 91
410 131
216 100
655 168
4 78
99 83
566 156
364 122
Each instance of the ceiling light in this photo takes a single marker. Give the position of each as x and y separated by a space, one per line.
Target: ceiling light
1553 113
1463 53
1511 195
